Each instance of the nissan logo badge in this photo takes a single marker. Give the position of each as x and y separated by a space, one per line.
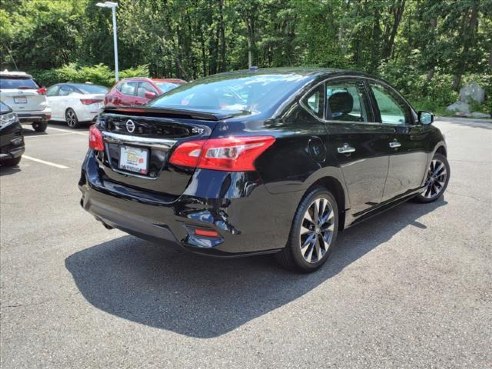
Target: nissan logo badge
130 126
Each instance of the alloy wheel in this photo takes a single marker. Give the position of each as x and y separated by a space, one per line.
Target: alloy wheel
317 230
436 179
71 118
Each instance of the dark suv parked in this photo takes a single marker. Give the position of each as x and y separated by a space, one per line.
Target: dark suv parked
11 137
264 161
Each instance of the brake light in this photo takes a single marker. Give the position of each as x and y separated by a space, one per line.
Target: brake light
42 90
90 101
95 139
235 154
206 232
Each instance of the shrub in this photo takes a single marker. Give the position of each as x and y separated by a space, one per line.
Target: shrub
99 74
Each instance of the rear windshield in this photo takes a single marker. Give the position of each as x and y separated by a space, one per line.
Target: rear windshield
166 86
253 93
91 89
17 83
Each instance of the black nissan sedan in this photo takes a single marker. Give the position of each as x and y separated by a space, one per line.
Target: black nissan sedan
261 161
11 137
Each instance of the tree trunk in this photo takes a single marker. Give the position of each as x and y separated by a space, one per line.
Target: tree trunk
468 40
250 41
376 41
390 39
222 64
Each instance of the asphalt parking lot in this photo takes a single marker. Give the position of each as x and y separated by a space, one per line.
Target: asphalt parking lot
411 288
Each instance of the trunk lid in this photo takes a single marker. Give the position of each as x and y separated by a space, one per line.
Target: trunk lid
138 143
21 100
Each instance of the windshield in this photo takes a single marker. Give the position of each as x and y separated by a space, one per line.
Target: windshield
17 83
166 86
253 93
91 89
4 108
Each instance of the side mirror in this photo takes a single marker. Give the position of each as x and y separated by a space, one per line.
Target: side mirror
150 95
425 118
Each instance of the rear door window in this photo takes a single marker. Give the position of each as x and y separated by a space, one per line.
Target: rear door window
144 87
66 90
53 91
346 101
128 88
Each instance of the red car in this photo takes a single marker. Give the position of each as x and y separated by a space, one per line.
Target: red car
138 90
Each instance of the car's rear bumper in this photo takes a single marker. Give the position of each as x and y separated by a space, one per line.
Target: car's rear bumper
34 116
258 222
12 153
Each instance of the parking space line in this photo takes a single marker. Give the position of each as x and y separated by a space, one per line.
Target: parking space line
55 134
45 162
66 130
61 130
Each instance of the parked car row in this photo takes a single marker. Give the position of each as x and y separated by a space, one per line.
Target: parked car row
74 103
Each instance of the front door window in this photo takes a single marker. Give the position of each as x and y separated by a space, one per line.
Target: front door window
392 110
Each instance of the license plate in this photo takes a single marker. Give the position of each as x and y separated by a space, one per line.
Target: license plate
134 159
20 99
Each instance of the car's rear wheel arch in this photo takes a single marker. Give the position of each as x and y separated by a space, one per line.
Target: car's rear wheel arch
335 187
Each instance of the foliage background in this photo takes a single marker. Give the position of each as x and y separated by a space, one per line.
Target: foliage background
426 48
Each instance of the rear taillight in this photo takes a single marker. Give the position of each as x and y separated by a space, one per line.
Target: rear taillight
42 90
90 101
95 139
235 154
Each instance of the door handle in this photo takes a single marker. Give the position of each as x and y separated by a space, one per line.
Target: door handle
346 149
394 144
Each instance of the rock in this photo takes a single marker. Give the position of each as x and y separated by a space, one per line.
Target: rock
459 107
477 114
472 92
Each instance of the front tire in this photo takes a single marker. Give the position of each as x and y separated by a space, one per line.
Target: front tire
40 126
436 181
71 118
313 233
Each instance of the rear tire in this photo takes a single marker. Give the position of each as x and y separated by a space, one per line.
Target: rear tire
313 233
436 181
71 118
11 162
40 126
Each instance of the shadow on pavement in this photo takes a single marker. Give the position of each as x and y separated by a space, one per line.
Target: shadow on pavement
31 132
468 122
206 297
84 126
5 171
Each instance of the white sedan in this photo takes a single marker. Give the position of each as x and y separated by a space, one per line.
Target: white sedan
75 103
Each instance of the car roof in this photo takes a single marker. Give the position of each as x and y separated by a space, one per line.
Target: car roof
77 84
172 80
6 73
303 71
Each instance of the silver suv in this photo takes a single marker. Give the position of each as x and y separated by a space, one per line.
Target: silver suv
26 98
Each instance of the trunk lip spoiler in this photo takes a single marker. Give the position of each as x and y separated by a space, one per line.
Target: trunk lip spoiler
166 112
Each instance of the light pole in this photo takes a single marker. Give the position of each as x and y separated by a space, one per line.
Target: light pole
112 5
